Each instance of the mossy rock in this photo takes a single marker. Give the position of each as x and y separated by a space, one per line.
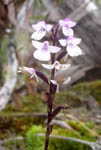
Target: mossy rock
79 93
27 104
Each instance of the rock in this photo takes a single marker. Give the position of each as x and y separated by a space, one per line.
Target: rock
92 104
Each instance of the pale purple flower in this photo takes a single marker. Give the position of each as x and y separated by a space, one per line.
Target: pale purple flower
66 25
43 50
56 66
28 70
40 30
72 46
64 81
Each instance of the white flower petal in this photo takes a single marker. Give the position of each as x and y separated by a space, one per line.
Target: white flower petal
54 82
48 66
67 80
42 24
49 27
37 44
54 49
35 26
38 35
74 51
40 55
63 42
61 22
73 40
67 31
36 77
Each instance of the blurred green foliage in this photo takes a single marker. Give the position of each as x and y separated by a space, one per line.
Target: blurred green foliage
3 49
33 141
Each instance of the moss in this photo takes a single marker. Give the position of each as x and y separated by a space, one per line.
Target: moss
57 144
89 88
68 97
20 144
20 118
79 93
95 88
28 104
85 133
99 130
90 124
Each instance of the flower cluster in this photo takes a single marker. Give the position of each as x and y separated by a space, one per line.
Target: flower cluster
44 51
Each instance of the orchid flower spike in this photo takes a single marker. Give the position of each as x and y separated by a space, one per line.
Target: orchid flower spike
72 48
66 25
40 30
56 66
28 70
64 81
43 50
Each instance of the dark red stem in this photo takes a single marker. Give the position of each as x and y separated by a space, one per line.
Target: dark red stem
50 95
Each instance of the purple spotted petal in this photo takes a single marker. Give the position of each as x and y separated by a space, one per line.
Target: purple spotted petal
69 22
73 40
42 24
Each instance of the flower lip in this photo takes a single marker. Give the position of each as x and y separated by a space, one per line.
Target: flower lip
72 46
43 50
66 25
45 46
